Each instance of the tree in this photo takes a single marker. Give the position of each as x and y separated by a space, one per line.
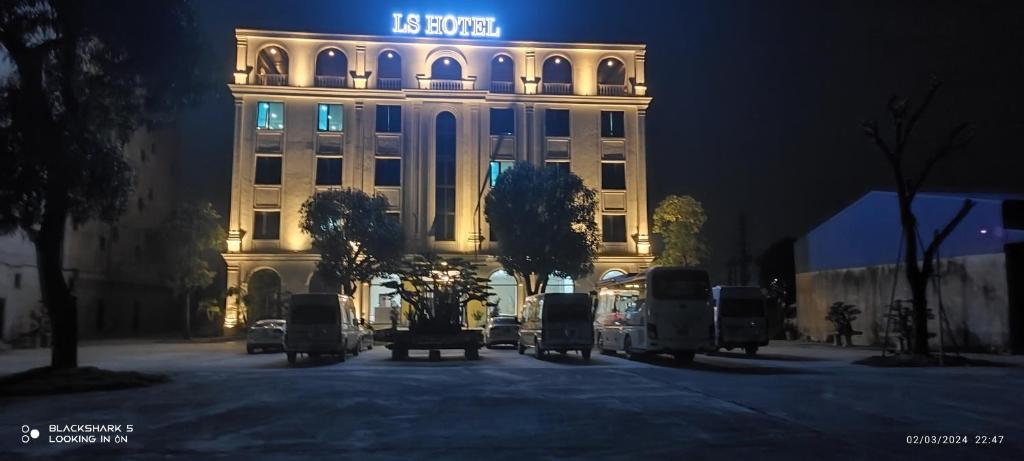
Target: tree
543 220
82 81
356 238
899 158
678 220
438 290
191 235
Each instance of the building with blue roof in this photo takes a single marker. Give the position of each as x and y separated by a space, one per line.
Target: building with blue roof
851 257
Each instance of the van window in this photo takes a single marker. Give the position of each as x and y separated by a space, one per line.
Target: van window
733 307
566 310
310 314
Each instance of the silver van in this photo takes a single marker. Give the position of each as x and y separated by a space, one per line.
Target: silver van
740 318
321 323
557 322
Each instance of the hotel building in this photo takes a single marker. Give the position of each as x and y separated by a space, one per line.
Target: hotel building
428 122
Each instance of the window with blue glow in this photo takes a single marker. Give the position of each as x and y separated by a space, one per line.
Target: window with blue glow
497 167
329 117
389 119
503 122
270 116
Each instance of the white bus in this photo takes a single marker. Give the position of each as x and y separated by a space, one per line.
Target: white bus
661 310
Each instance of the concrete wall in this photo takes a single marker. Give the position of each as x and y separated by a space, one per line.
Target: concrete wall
973 290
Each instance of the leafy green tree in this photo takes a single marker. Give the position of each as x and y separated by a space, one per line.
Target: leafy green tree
543 219
678 220
910 169
356 238
84 75
438 290
191 236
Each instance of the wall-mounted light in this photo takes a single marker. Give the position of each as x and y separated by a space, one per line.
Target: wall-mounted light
610 63
501 59
447 61
390 55
558 60
273 50
330 53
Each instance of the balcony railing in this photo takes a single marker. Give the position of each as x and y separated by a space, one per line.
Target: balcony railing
331 81
502 87
438 84
605 89
272 79
389 83
557 88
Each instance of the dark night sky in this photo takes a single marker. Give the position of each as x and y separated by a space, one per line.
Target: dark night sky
757 104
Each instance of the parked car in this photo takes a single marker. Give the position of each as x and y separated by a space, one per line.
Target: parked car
557 322
365 335
502 329
321 323
265 335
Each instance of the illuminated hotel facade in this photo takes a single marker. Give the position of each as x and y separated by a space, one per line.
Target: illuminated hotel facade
427 122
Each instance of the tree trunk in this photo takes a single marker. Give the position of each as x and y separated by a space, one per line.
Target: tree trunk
919 314
60 304
188 315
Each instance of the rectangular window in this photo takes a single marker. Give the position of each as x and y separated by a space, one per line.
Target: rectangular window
270 116
388 172
612 124
329 117
389 119
613 176
267 225
613 228
498 167
503 121
268 170
563 167
328 171
556 122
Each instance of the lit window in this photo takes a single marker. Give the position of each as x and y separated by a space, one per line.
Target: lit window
328 171
612 124
266 225
389 119
613 228
268 170
498 167
329 117
270 116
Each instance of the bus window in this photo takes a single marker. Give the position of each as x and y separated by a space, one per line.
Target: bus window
741 307
680 284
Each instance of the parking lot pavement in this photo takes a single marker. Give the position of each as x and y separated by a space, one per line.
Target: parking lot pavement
787 403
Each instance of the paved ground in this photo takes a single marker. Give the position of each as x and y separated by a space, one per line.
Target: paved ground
792 402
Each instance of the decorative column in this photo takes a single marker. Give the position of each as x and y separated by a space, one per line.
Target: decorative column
643 240
232 303
358 154
476 172
360 76
529 134
234 242
640 79
530 81
241 67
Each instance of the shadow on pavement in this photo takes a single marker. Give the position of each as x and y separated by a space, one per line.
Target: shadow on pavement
573 359
700 365
780 357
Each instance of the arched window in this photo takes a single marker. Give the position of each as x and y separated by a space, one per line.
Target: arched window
557 76
611 78
446 74
502 75
331 69
272 67
263 296
505 292
383 299
444 179
389 71
558 284
612 274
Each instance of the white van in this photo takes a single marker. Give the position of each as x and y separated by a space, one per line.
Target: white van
740 318
321 323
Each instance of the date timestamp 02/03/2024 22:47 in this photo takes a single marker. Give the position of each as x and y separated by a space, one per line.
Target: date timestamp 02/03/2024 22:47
954 439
